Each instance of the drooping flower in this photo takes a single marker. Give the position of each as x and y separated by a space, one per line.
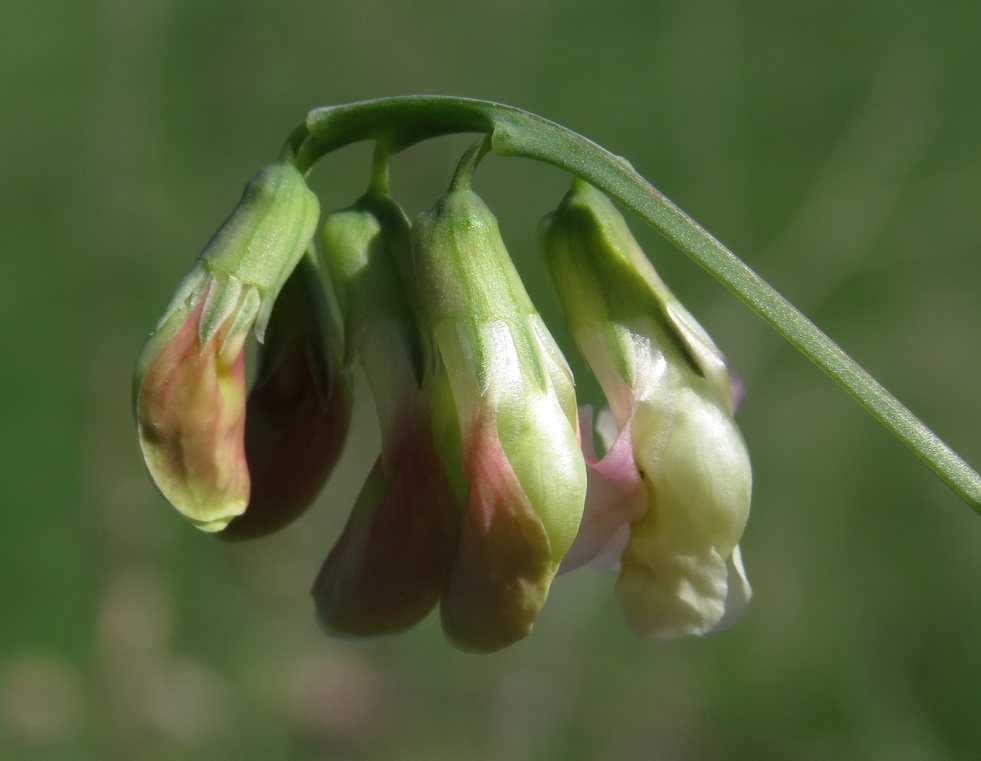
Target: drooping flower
504 417
671 397
390 564
189 386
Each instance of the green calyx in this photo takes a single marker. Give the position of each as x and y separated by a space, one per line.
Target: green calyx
366 248
367 254
609 291
601 276
464 270
260 243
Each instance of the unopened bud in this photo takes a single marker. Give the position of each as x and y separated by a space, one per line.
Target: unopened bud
505 419
390 564
189 387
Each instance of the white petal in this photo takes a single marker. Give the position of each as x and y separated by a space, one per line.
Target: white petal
739 592
665 596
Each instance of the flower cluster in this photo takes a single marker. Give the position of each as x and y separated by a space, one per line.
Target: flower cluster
487 484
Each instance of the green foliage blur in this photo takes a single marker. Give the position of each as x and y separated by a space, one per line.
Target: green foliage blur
834 146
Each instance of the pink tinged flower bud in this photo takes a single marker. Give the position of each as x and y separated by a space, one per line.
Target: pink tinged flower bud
189 386
390 564
388 568
505 425
505 564
189 407
669 391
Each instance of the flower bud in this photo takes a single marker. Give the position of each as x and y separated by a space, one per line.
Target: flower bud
298 411
390 564
189 387
670 394
505 424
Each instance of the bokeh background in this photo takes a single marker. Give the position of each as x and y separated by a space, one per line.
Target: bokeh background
833 145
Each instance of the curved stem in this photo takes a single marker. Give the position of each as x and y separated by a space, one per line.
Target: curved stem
396 123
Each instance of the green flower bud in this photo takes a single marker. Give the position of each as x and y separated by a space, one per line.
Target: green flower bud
669 390
505 420
189 387
390 564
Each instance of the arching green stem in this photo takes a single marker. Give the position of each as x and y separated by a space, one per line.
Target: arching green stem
397 123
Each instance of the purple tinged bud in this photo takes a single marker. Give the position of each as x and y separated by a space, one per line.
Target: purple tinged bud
189 409
388 569
389 566
189 386
505 424
504 564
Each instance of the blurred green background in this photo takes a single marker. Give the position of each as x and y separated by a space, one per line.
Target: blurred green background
834 146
